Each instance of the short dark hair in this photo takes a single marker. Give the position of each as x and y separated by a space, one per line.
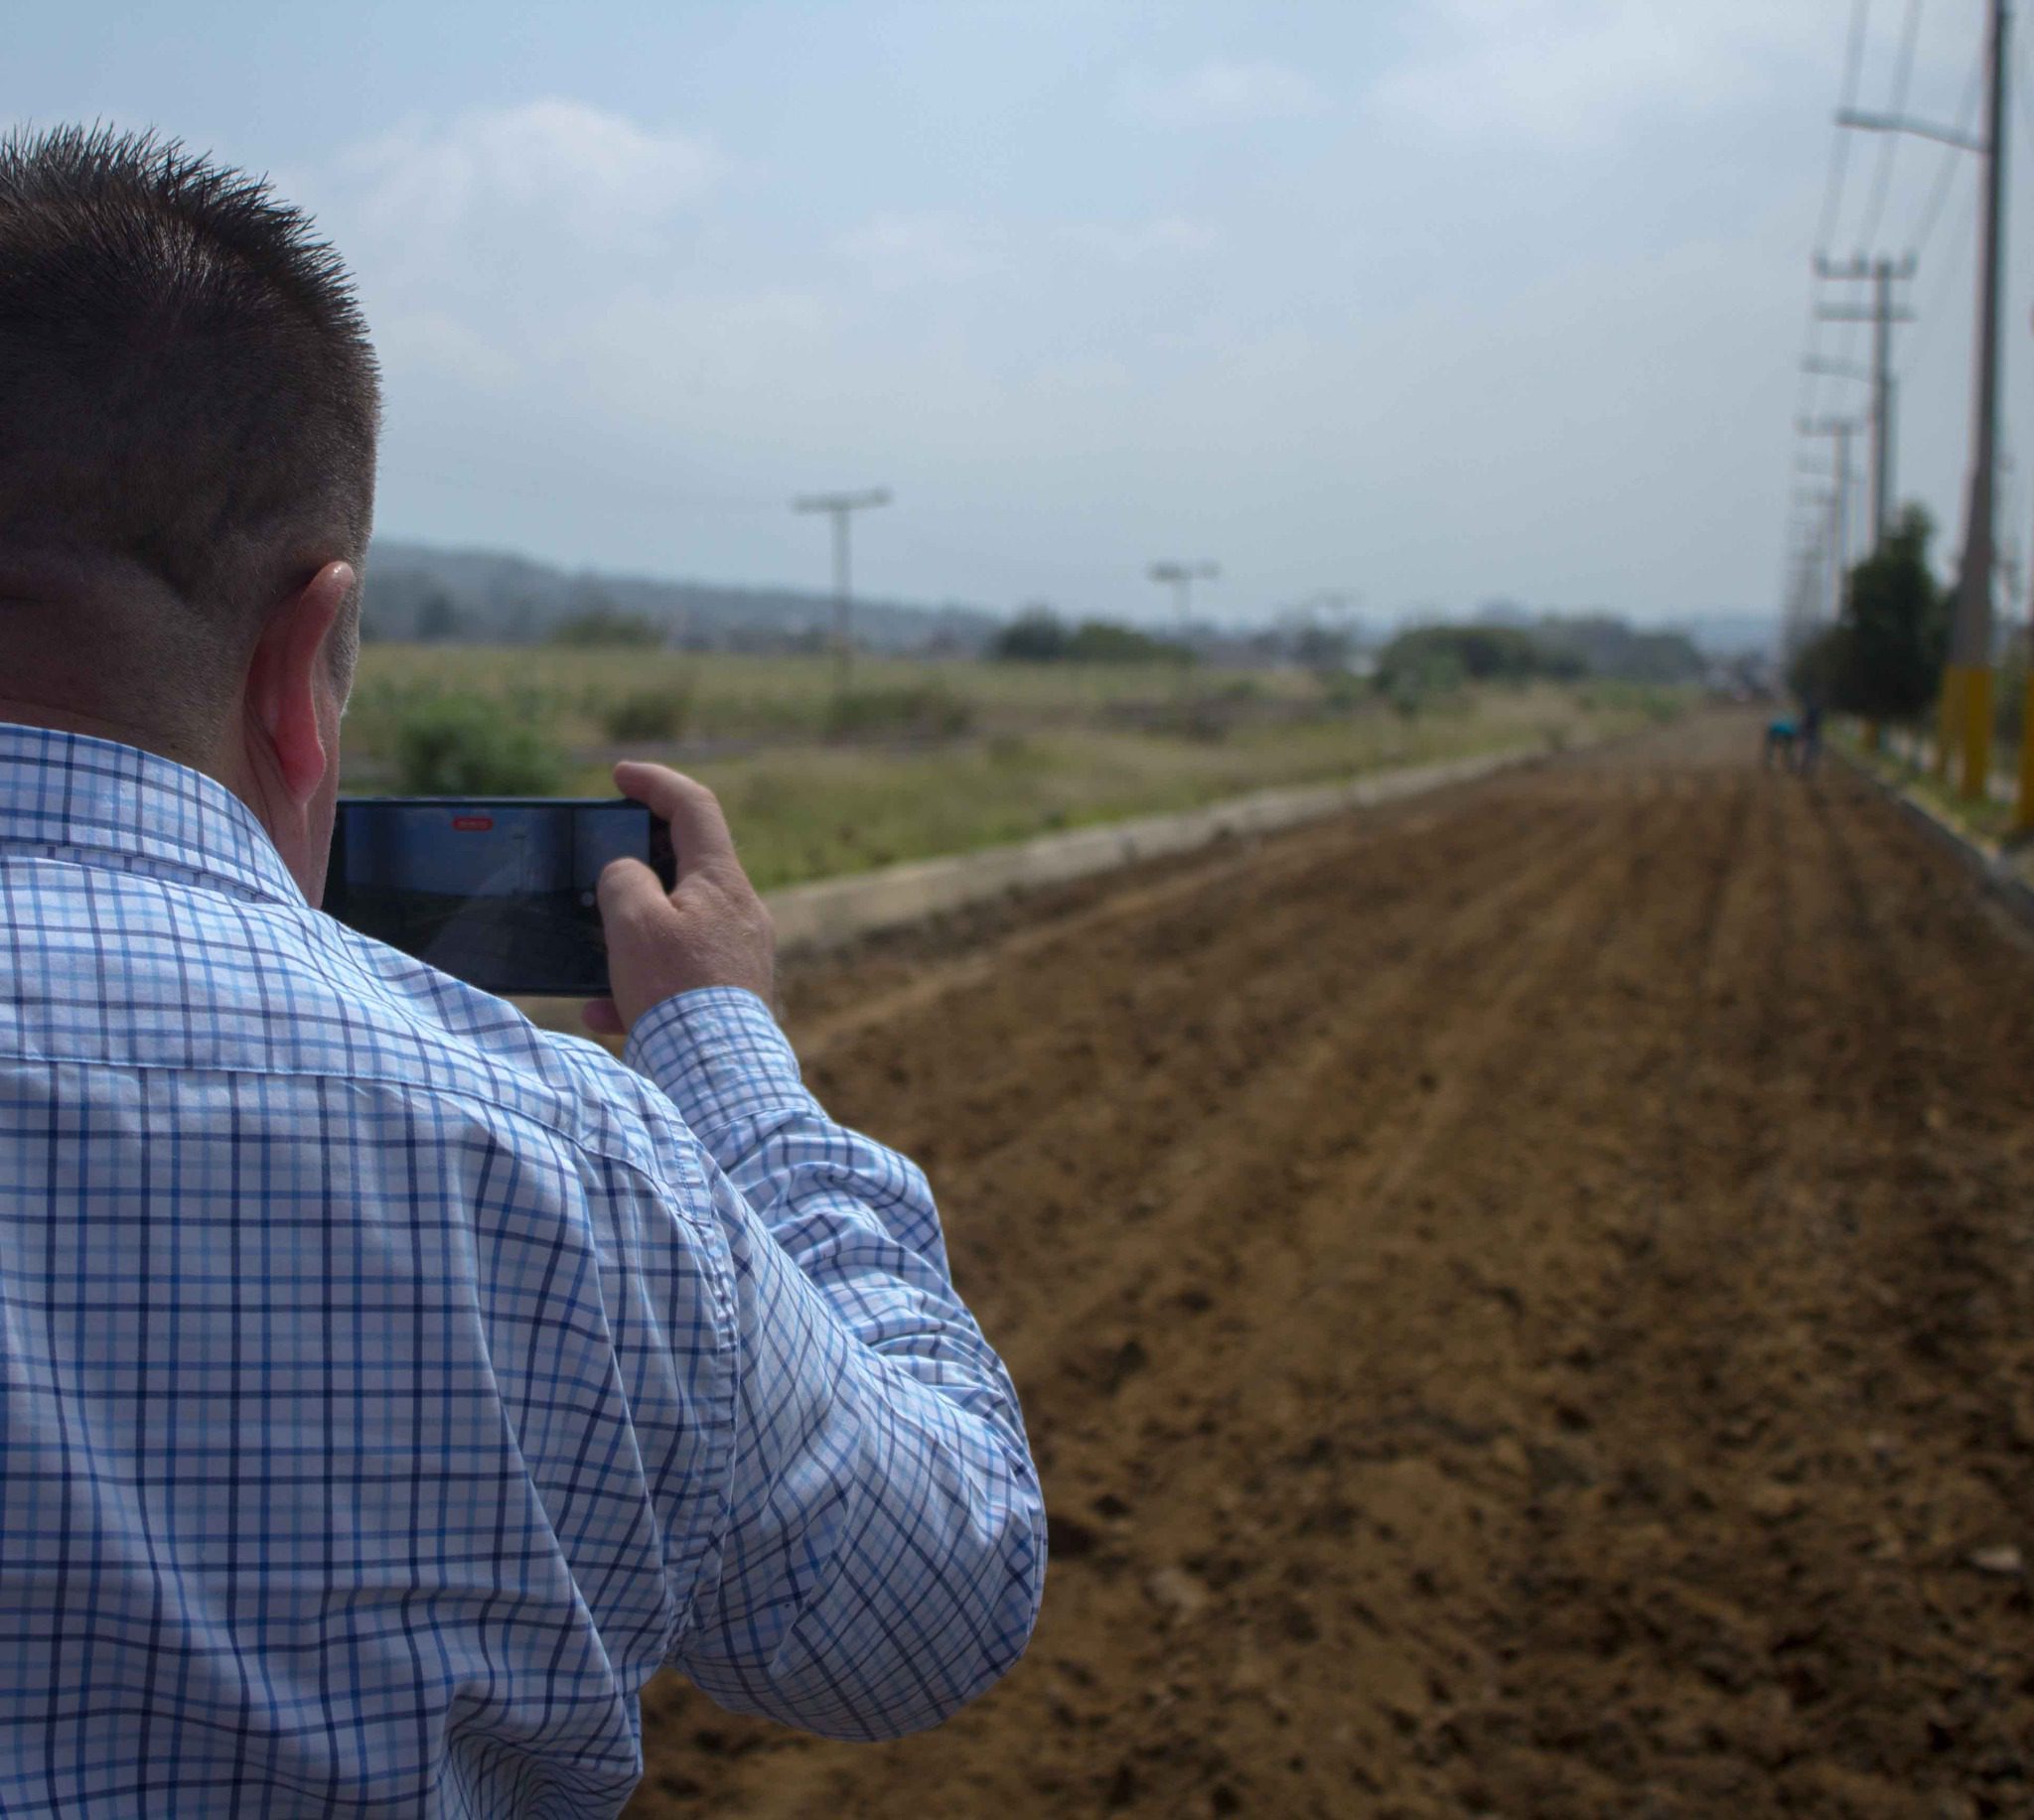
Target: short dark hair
186 380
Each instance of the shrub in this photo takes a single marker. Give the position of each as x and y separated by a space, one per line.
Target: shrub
649 714
928 709
1206 719
1343 689
467 745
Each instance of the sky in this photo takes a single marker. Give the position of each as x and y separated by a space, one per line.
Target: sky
1420 304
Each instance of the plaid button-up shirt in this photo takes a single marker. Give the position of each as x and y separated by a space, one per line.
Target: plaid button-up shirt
387 1389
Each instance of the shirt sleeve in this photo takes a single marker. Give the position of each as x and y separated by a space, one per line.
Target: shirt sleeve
883 1554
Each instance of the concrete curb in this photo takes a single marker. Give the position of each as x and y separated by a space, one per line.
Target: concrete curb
1993 870
830 912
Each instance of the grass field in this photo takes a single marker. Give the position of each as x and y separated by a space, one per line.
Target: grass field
1037 747
805 814
720 696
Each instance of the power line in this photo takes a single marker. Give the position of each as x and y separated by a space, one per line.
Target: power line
1809 388
1930 311
1902 73
1945 172
1840 150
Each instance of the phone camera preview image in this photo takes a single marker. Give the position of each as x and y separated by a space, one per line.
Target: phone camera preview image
495 892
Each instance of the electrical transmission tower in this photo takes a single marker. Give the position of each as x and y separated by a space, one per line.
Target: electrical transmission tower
841 507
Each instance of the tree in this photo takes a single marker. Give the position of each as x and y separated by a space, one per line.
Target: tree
1436 658
1883 658
1037 635
1107 642
437 618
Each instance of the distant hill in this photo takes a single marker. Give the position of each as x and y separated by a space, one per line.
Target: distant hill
417 591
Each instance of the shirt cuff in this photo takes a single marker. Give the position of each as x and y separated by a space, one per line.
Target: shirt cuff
717 1054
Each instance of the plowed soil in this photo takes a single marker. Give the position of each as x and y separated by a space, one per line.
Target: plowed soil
1524 1304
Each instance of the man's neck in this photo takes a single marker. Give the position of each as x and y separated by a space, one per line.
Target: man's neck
60 719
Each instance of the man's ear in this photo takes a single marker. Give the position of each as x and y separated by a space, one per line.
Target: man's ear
292 676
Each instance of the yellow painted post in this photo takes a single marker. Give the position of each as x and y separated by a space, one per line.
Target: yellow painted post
2023 810
1947 720
1976 726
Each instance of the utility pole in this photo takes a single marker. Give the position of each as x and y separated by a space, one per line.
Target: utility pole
1882 313
1182 575
841 507
1800 611
2023 804
1840 429
1818 556
1966 708
1966 688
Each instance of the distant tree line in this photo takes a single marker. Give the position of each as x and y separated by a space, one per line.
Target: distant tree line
1039 635
1433 658
1430 659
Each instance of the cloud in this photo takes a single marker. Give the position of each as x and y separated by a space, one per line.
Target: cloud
899 249
483 241
1577 69
574 167
1221 94
1170 236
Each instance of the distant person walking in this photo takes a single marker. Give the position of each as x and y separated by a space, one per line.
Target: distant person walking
387 1389
1808 747
1780 738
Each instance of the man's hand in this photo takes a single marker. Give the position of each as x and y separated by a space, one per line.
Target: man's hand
711 930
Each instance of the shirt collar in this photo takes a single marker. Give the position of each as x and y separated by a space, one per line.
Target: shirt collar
97 797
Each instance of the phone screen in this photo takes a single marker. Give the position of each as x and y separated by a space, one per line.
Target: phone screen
495 892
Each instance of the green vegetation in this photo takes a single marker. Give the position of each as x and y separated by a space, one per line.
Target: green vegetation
646 715
465 745
1040 635
922 710
809 813
1883 658
920 758
1431 659
572 690
1988 819
604 625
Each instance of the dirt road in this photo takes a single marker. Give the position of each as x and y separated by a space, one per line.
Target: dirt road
1524 1304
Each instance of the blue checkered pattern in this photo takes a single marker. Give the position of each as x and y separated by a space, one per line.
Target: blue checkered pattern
388 1388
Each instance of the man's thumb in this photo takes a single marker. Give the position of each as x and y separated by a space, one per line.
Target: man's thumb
629 891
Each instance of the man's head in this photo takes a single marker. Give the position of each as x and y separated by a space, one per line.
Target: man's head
189 407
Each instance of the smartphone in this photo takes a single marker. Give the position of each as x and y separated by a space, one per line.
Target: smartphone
495 891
